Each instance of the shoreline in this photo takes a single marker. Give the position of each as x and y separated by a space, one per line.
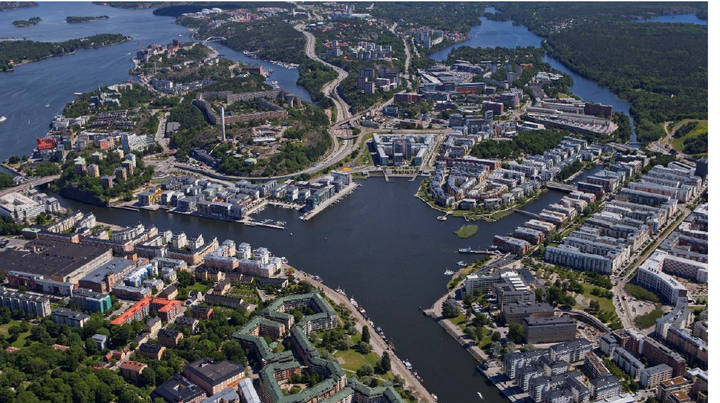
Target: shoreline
376 342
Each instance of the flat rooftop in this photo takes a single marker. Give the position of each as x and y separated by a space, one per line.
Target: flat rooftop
49 258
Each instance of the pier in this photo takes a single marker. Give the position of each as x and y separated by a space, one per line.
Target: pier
329 202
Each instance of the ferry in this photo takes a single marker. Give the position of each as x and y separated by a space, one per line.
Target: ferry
3 118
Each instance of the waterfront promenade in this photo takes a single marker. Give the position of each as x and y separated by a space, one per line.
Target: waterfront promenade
376 342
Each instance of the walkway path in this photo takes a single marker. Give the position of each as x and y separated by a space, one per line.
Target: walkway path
376 342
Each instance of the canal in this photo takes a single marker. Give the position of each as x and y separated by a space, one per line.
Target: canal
381 244
385 248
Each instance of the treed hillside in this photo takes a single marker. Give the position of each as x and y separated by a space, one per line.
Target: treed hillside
662 69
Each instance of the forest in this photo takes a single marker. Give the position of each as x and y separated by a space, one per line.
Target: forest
448 16
526 143
313 75
271 38
16 52
662 71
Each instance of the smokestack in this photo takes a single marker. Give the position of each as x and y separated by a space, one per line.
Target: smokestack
222 120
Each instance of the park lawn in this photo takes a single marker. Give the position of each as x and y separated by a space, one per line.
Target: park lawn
641 293
484 342
460 319
20 342
605 303
352 360
198 286
649 319
466 231
702 128
499 215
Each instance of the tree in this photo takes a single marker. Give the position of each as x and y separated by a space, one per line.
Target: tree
365 334
516 333
363 348
91 346
495 336
450 311
147 378
385 362
364 370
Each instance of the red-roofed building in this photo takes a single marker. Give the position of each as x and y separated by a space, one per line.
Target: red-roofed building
167 310
45 143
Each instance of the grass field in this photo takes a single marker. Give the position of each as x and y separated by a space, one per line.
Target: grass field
20 342
466 231
605 303
649 319
702 128
351 360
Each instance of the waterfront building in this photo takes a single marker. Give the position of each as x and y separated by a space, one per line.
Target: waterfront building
549 330
510 244
514 361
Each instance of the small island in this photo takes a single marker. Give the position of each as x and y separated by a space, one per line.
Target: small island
14 53
78 20
27 23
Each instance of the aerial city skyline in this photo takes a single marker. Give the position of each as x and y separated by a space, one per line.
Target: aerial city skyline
276 202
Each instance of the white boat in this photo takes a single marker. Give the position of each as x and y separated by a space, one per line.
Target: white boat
407 364
461 264
353 302
47 105
3 118
449 272
442 218
481 396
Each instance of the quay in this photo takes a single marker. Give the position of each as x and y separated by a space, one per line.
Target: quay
376 342
327 203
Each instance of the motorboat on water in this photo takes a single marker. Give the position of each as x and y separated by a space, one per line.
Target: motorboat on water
407 364
3 118
442 218
481 396
449 272
461 264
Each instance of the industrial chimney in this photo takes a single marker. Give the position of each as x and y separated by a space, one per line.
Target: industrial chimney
222 122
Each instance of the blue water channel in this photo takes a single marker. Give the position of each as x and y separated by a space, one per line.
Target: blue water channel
25 92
